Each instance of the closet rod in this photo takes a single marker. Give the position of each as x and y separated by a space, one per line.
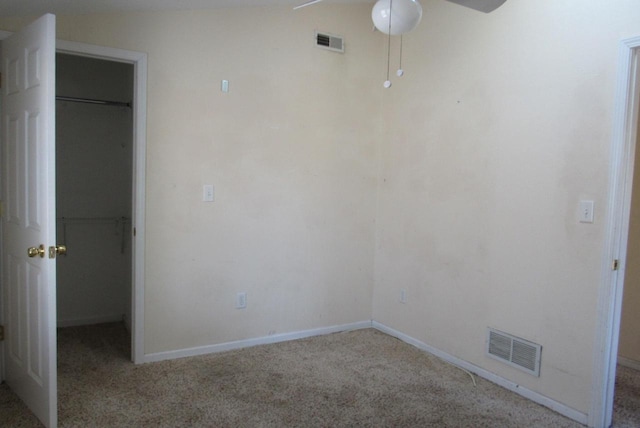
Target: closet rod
92 101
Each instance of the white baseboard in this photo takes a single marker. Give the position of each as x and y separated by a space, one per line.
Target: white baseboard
89 321
627 362
228 346
492 377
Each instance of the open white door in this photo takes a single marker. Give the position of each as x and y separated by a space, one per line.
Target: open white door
28 218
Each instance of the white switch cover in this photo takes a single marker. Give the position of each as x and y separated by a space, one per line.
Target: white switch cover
207 193
224 86
586 211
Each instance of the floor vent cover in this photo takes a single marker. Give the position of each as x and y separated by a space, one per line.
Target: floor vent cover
329 41
514 351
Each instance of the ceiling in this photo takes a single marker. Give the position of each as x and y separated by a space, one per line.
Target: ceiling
81 7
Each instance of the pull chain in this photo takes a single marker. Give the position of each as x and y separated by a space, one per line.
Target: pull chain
400 71
387 83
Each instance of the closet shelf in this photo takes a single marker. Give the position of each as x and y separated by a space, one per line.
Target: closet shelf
120 224
93 101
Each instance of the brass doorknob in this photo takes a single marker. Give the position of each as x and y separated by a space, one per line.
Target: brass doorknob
58 250
36 251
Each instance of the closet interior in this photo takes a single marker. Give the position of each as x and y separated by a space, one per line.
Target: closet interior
94 164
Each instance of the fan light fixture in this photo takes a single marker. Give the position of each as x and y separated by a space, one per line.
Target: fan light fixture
395 17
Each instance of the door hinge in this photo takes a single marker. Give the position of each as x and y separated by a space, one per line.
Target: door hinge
615 264
0 80
1 333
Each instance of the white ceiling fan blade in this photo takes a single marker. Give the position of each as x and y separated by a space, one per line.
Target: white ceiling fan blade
485 6
309 3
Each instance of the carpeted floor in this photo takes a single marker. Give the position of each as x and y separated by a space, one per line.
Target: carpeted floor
360 378
626 407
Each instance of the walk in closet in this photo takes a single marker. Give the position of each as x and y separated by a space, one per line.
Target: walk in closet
94 189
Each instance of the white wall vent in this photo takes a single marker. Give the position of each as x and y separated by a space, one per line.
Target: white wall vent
330 41
514 351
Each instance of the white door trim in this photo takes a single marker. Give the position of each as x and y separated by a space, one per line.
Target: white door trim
139 62
625 124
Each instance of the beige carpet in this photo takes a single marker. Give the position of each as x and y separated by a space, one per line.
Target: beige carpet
361 378
626 408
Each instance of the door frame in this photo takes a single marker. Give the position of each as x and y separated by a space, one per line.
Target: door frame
3 35
139 62
622 158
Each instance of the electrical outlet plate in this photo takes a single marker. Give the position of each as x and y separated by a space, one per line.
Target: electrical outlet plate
241 300
207 193
403 296
586 211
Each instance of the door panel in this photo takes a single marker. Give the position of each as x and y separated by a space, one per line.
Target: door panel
28 187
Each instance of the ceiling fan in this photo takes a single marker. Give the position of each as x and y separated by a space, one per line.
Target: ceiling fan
403 16
485 6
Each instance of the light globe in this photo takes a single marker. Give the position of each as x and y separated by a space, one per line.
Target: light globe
405 16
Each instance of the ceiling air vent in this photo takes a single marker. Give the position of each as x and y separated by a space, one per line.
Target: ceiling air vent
514 351
329 41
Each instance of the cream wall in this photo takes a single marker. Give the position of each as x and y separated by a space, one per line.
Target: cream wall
291 153
629 347
501 126
460 184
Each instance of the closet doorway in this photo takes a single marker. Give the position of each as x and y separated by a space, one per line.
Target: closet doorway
100 181
627 381
94 167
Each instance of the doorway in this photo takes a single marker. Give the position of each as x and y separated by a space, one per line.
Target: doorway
44 32
626 400
627 380
128 233
615 255
94 165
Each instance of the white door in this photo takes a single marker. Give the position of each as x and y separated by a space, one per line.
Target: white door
28 218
